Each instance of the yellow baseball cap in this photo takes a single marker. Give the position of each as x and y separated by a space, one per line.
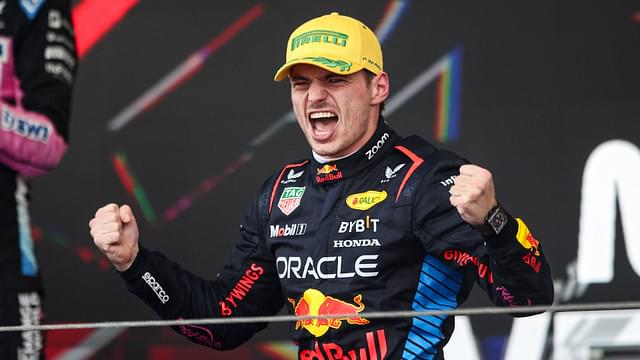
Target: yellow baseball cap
334 42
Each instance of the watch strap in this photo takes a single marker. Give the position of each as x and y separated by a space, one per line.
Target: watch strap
495 221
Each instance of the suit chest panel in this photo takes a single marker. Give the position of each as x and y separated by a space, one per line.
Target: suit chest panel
348 230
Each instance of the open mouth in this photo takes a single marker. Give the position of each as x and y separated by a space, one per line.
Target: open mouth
323 124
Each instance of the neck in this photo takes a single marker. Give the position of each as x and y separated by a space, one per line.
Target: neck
325 159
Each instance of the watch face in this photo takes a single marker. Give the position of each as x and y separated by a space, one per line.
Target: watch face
498 220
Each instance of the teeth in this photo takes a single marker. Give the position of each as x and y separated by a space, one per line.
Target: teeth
321 115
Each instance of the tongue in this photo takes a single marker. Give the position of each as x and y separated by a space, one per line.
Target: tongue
324 128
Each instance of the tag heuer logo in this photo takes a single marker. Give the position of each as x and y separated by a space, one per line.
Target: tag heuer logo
290 199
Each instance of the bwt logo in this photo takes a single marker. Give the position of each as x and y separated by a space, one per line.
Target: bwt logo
32 130
288 230
153 284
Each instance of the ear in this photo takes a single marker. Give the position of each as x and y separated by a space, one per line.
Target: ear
379 88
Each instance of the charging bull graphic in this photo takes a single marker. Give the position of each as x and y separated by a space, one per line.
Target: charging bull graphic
315 303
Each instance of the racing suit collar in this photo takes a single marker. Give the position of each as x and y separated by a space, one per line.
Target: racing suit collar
333 171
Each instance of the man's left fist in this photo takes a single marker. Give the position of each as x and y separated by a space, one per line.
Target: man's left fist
473 194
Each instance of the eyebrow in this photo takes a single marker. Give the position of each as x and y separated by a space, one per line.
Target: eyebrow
326 77
297 78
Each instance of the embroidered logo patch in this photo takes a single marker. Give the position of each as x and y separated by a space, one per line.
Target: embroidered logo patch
290 199
366 200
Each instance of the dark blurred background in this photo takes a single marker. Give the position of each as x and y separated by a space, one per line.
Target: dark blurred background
528 89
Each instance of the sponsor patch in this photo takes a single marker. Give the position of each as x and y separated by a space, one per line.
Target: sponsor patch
448 181
319 36
156 287
366 200
377 349
353 243
292 176
288 230
526 239
327 173
326 169
52 37
359 225
462 259
326 267
58 70
30 314
377 146
315 303
241 289
59 53
506 295
24 127
532 261
290 199
390 173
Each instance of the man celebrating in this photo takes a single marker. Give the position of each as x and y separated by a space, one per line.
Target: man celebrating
372 221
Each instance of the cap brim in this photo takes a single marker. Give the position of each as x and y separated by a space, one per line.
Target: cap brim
333 66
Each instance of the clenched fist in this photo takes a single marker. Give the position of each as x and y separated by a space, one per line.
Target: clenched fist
115 233
473 194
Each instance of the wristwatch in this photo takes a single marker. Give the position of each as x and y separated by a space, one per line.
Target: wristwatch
495 221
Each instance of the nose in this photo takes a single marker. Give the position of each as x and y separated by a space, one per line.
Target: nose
317 92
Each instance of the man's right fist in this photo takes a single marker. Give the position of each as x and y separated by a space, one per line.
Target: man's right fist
115 233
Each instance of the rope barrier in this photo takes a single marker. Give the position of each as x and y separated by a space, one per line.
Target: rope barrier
367 315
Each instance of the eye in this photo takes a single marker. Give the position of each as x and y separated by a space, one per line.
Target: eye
336 80
297 84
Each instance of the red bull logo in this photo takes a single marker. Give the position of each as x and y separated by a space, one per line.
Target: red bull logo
533 244
315 303
374 349
526 239
328 173
326 169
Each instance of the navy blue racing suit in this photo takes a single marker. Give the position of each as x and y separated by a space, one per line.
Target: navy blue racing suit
371 232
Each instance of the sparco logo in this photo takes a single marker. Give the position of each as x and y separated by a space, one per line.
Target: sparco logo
348 243
288 230
153 284
326 267
375 148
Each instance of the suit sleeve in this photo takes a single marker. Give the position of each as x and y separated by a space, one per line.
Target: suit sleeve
510 267
37 73
247 286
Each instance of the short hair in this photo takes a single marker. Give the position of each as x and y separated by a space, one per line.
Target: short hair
370 77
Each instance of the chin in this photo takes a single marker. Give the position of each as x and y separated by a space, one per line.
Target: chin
322 149
329 149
